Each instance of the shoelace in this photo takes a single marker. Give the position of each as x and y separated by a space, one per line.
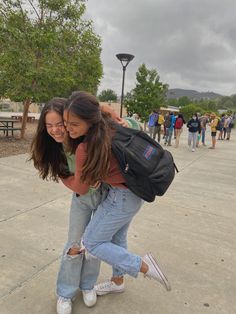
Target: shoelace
106 284
64 300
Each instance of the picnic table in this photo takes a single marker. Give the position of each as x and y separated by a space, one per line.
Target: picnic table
7 126
19 117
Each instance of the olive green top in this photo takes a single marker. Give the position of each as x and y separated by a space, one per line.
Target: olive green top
133 124
70 161
71 165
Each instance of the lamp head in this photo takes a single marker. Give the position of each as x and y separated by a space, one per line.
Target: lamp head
124 58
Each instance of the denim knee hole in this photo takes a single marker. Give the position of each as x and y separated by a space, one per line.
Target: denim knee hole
75 249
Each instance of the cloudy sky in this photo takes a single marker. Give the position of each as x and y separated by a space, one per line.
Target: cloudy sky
191 43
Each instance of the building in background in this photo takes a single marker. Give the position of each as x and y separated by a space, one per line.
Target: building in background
116 107
7 105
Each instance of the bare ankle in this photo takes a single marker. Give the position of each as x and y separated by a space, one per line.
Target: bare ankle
118 280
144 268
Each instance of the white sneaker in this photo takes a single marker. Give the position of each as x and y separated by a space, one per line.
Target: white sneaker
64 306
89 297
109 287
193 150
154 271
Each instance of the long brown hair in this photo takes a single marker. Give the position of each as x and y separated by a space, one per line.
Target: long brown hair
48 156
98 138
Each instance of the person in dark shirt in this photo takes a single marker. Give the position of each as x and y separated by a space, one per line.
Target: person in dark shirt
194 128
221 127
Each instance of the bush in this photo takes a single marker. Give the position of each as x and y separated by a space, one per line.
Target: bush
189 110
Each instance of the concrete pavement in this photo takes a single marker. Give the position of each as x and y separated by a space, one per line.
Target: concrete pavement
191 230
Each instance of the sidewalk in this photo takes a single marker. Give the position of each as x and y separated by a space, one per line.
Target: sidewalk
191 230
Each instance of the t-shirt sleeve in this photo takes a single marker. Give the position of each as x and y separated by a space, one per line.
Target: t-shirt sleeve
74 182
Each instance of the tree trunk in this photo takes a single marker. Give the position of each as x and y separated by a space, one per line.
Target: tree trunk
25 116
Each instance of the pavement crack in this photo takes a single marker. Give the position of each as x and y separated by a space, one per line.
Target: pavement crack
191 162
22 212
23 283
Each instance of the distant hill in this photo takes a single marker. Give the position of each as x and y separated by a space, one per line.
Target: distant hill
192 94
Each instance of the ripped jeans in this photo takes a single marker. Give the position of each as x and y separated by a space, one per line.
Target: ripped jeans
106 235
76 272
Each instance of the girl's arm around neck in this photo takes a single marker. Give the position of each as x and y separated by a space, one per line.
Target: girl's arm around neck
73 182
114 116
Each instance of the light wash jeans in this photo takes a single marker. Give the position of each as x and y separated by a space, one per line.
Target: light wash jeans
105 235
76 272
192 139
157 132
169 133
151 131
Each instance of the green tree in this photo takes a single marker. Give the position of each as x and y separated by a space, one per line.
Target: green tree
233 98
46 50
189 110
148 94
183 101
203 103
212 106
227 102
173 102
108 95
207 105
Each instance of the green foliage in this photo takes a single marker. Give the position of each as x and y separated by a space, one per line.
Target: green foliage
183 101
190 109
233 98
208 105
108 95
173 102
47 50
228 103
179 102
212 105
148 94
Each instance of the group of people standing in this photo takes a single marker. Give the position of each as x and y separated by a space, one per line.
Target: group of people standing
197 124
170 124
225 124
73 144
197 129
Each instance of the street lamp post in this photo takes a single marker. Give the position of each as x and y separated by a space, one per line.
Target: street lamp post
125 59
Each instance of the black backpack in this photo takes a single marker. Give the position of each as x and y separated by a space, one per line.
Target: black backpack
167 122
147 168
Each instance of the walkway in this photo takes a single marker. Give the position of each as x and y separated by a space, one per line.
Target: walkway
191 230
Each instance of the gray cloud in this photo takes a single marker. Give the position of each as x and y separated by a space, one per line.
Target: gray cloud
191 43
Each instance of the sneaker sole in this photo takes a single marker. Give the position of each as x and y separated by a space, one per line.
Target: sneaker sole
162 276
90 305
108 292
